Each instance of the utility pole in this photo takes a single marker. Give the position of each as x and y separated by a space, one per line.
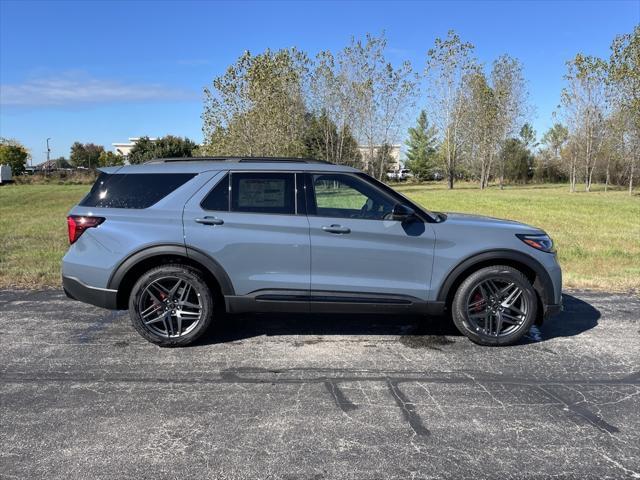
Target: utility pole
48 153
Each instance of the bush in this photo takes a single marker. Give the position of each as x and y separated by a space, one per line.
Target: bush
77 177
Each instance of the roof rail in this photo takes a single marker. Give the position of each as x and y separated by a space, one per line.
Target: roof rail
237 159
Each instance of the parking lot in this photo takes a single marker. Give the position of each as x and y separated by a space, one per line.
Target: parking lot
311 397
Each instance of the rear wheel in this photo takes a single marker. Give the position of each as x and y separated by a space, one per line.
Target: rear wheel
495 306
171 305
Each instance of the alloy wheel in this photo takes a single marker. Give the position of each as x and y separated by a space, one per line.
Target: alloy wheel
496 308
170 307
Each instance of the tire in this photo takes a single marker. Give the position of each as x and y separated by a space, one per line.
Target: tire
489 312
166 318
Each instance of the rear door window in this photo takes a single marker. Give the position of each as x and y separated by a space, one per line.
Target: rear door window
135 190
258 192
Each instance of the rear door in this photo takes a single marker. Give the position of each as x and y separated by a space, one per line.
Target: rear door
251 224
357 248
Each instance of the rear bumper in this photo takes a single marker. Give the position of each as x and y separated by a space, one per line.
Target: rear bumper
100 297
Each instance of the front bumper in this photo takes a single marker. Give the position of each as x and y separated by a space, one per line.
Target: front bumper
100 297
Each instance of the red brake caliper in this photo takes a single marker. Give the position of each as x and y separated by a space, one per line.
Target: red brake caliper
477 298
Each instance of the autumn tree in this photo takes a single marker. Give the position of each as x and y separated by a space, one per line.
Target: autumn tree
257 108
110 159
14 154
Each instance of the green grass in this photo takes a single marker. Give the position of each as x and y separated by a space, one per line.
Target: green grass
33 232
597 234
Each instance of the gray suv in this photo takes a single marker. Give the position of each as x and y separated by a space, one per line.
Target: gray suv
179 242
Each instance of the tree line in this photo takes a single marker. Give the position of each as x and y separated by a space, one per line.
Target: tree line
473 125
348 107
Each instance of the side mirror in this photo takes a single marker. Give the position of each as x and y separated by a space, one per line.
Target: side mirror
402 213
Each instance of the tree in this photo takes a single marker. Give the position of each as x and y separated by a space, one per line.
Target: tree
449 62
482 124
549 161
324 141
624 81
14 154
422 148
85 154
517 159
169 146
110 159
381 92
332 104
257 107
510 90
584 104
528 136
555 138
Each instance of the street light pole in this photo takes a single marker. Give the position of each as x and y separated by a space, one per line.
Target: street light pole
48 153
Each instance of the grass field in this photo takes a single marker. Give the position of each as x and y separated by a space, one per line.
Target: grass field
597 234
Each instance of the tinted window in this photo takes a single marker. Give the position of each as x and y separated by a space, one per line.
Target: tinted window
263 193
346 196
218 198
136 190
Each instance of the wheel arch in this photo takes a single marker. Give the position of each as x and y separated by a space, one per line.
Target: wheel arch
528 265
129 270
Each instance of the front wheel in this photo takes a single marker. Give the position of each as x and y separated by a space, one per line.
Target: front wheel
495 306
171 305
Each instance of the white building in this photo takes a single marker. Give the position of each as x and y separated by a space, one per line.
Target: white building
125 148
394 153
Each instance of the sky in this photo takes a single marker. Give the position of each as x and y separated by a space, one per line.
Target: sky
102 72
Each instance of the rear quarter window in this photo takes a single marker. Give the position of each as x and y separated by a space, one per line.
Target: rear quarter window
135 190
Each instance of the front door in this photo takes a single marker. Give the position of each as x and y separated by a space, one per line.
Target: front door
357 250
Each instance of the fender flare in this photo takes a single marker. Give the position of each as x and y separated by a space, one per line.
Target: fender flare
213 267
543 284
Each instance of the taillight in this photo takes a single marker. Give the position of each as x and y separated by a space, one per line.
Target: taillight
77 224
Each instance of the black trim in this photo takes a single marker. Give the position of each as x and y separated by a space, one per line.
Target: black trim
147 252
301 197
209 263
543 284
303 301
100 297
550 310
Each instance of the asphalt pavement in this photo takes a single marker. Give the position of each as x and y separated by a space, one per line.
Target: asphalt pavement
317 397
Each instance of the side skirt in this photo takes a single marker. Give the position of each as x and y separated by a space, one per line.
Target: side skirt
303 301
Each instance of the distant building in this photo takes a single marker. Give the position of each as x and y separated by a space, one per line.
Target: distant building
52 165
394 153
125 148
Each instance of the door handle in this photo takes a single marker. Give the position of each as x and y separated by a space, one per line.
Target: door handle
336 229
210 221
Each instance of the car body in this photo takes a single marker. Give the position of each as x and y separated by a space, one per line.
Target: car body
289 235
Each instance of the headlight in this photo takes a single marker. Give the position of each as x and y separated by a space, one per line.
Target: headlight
540 242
